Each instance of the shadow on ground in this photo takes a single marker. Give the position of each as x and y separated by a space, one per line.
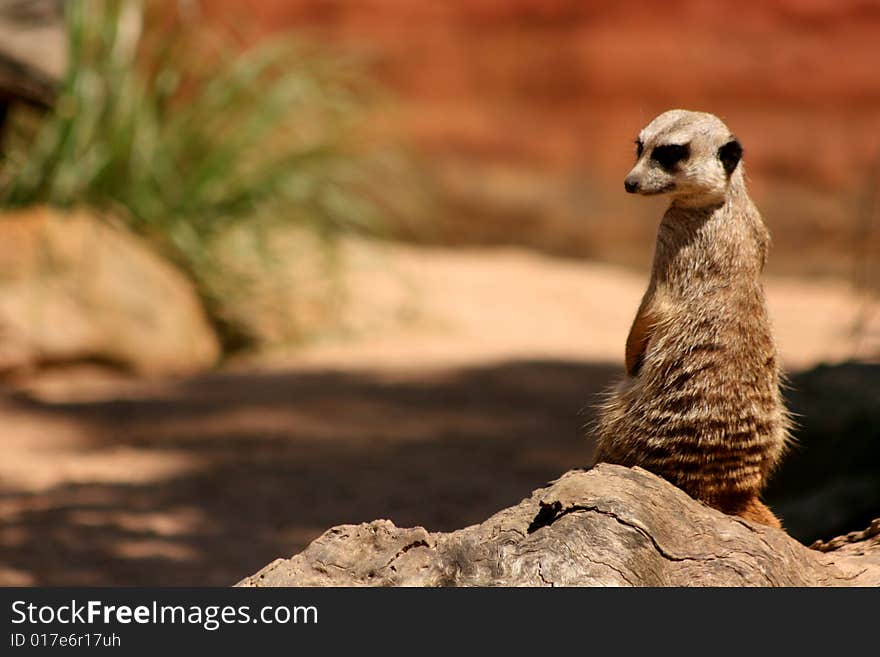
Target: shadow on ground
268 461
278 458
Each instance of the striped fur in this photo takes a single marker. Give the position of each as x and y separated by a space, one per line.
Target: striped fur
701 403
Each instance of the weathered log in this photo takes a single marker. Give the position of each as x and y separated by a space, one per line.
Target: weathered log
609 526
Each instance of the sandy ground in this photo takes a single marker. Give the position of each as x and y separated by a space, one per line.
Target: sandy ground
461 381
434 306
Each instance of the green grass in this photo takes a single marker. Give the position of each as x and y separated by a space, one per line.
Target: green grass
186 147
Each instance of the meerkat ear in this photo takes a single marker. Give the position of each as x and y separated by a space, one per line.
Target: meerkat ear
730 155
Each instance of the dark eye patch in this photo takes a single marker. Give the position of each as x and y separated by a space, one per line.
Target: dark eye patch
668 155
730 155
640 148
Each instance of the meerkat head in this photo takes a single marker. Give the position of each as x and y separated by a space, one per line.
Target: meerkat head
689 155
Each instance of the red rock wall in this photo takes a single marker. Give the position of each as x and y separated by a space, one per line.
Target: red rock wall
564 85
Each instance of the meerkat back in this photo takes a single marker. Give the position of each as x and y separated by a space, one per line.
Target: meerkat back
700 403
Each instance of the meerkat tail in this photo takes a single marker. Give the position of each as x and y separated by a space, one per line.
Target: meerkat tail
756 511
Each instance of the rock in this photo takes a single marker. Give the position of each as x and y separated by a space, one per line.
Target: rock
289 285
609 526
279 287
75 288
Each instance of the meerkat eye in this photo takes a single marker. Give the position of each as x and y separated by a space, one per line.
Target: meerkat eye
640 148
668 155
730 155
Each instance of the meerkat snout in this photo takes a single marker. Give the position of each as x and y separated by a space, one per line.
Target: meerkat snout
690 155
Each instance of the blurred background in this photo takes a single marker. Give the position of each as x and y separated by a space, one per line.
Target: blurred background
270 268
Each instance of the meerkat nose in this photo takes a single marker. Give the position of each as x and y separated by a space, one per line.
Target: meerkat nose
631 185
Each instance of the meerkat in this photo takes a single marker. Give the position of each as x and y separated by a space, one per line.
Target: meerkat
700 403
